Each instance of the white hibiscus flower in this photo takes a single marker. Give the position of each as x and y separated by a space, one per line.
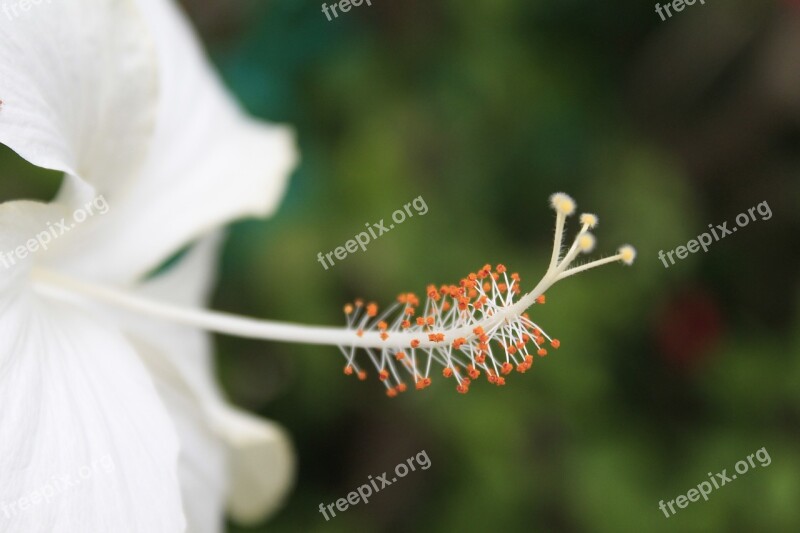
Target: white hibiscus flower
118 95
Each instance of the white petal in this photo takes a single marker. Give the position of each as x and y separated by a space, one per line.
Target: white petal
209 164
77 82
203 462
85 443
262 464
21 221
260 456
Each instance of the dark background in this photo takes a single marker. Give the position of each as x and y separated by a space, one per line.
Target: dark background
485 108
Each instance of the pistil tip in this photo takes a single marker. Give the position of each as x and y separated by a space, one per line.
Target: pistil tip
627 254
586 242
589 220
563 203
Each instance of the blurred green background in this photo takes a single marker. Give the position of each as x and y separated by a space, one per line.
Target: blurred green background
485 109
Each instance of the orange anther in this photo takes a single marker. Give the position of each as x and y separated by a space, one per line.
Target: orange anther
446 306
359 302
487 287
515 277
430 321
506 368
414 343
521 368
480 359
383 375
500 381
540 299
512 350
405 324
348 309
409 311
362 375
478 330
436 337
401 387
447 372
502 287
459 342
348 370
360 332
399 356
501 268
384 336
542 352
382 325
372 309
463 389
555 343
391 393
473 372
420 321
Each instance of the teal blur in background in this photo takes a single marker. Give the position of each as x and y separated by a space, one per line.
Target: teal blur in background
484 109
